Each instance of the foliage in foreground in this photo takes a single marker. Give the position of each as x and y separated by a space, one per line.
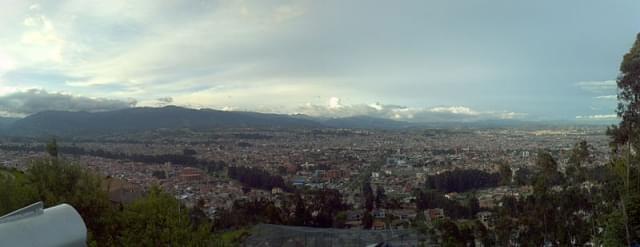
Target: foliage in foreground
157 219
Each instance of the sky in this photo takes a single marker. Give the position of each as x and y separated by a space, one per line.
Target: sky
408 60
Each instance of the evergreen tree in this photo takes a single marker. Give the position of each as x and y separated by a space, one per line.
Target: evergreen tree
369 198
625 143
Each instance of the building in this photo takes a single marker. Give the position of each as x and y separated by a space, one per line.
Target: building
434 214
191 174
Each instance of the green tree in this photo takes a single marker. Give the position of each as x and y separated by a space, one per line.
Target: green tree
505 173
300 216
15 192
580 155
57 181
450 233
367 220
474 206
157 220
629 92
52 148
381 198
624 140
614 234
546 163
548 168
160 220
340 221
369 198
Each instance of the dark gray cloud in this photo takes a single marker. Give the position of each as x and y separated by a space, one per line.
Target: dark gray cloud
34 101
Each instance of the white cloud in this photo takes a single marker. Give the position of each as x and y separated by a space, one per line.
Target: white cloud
377 106
41 37
6 63
599 117
335 103
598 86
429 114
607 97
286 12
7 90
455 110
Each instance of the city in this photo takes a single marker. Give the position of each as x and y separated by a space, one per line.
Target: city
397 162
306 123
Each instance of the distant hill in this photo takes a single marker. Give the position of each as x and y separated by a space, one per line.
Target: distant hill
138 119
5 122
64 123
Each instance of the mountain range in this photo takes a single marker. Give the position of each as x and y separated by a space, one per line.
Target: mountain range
65 123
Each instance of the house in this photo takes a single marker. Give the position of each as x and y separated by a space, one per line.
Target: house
379 214
400 224
353 215
298 182
378 225
434 214
276 191
403 214
354 219
191 174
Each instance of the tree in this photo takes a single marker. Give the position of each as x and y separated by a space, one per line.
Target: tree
614 234
160 220
629 93
548 171
462 180
580 154
341 220
523 176
543 204
156 220
474 206
367 193
546 163
326 204
52 148
367 220
300 215
381 198
450 233
624 137
57 181
505 174
15 192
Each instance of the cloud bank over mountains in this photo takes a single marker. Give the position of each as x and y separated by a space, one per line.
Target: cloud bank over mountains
22 103
32 101
335 109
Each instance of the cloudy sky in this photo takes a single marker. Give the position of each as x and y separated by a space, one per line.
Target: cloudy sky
411 60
